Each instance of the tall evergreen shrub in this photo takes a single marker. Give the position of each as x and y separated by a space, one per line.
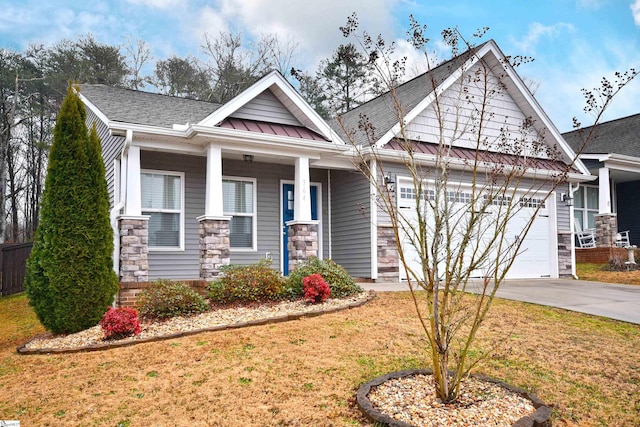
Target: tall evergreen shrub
70 279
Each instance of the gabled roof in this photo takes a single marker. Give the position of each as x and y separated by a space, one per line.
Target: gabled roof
417 94
381 110
144 108
186 117
620 136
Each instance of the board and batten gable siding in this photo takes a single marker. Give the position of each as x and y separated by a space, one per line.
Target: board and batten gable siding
457 105
185 264
351 222
266 108
111 148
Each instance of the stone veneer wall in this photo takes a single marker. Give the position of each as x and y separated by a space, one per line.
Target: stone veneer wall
302 244
564 254
606 230
214 247
388 261
134 249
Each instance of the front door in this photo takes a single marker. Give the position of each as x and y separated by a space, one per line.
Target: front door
287 215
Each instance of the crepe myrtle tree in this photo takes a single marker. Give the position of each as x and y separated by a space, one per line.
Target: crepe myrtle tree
462 217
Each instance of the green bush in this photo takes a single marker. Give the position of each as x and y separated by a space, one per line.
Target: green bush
255 282
164 299
70 280
340 283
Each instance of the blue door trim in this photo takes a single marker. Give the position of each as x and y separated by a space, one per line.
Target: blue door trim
286 214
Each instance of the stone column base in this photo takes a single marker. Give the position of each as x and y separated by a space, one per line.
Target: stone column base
302 243
214 246
606 230
134 248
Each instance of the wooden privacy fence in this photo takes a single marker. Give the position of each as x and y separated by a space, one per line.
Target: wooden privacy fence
13 267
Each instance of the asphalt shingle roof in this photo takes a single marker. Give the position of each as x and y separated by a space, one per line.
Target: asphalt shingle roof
145 108
621 136
381 111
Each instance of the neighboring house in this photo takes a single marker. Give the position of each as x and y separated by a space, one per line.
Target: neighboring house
196 185
613 155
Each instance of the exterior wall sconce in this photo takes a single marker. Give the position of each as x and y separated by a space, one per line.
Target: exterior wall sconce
390 182
567 199
247 158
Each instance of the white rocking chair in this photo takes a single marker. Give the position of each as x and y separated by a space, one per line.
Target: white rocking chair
586 238
622 239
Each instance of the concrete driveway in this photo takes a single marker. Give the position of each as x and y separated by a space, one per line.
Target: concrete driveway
620 302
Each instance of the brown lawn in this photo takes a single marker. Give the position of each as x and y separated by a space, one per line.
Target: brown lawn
598 273
306 372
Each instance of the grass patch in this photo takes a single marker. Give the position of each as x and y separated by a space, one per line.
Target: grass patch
18 320
306 372
599 273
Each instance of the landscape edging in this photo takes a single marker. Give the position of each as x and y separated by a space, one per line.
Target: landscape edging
23 350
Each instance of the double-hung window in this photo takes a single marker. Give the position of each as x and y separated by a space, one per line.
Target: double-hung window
586 206
163 201
239 202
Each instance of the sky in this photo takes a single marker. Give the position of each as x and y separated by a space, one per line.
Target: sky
574 43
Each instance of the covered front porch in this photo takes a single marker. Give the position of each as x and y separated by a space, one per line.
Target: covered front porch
609 205
189 211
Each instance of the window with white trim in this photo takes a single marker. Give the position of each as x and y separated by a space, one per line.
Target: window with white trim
239 202
585 206
163 201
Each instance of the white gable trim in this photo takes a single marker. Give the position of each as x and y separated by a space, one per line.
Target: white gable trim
94 109
308 116
491 48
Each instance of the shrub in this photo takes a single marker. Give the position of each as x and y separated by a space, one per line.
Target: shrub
164 299
120 323
70 280
315 289
339 281
255 282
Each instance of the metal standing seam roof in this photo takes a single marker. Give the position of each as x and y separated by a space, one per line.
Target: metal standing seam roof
620 136
271 128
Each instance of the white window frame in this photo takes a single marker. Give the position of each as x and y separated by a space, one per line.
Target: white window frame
180 211
585 209
254 215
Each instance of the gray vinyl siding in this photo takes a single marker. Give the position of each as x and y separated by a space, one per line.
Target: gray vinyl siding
111 148
351 222
562 210
266 108
185 264
180 264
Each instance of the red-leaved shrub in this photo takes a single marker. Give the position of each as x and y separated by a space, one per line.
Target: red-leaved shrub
120 323
315 289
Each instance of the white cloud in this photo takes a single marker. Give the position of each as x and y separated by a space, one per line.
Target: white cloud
635 11
314 27
159 4
538 31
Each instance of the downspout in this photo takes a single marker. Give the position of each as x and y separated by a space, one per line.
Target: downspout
113 215
572 227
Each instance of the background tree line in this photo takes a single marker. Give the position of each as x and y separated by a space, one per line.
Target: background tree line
33 84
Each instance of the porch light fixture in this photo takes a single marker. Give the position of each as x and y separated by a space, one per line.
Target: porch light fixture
389 182
567 199
247 158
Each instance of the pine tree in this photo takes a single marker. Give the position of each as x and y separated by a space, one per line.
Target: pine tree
70 280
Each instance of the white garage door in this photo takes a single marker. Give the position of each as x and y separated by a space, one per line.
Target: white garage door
536 253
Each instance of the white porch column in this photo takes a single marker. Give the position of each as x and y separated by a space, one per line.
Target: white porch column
133 206
213 198
604 192
302 192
